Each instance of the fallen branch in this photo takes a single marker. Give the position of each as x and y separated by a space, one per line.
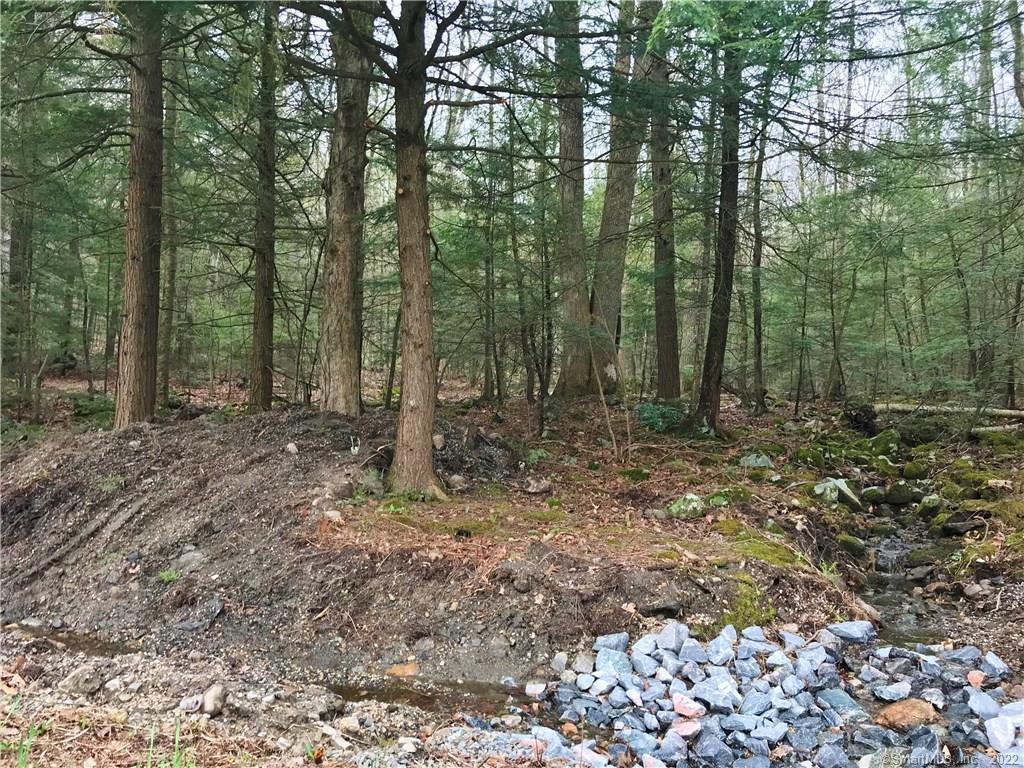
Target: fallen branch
1001 413
1001 428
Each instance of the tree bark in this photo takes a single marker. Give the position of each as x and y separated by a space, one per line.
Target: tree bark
137 352
707 240
666 320
624 139
341 320
170 243
574 375
261 393
725 249
412 470
758 395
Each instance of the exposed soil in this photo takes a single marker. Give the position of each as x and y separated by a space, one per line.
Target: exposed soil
265 546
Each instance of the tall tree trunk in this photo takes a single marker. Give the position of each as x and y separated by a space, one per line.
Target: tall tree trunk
413 467
341 320
666 321
170 224
261 393
725 249
574 376
137 352
759 392
624 139
707 239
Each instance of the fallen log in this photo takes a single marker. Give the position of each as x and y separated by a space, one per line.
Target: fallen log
999 413
1000 428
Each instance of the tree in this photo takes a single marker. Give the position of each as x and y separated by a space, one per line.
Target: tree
709 403
412 469
261 391
666 321
137 354
341 319
574 374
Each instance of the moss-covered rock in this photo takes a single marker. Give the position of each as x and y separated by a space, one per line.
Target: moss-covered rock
873 494
1003 443
929 506
809 457
915 470
899 493
886 443
934 553
851 544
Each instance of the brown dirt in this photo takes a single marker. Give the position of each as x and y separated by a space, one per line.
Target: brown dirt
208 533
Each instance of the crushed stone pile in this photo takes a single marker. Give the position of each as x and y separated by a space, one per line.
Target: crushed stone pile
746 701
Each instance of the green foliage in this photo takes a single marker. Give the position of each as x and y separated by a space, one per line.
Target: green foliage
658 417
168 576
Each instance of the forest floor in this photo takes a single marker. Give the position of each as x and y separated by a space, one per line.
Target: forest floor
262 553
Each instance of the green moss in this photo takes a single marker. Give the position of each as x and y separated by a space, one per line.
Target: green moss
552 514
935 553
730 495
939 520
666 554
883 528
881 466
467 526
851 544
811 457
729 527
1010 511
915 470
885 443
635 474
749 606
950 490
1003 443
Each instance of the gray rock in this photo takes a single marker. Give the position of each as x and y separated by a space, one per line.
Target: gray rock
757 761
983 705
831 756
713 750
601 686
610 660
993 666
191 703
639 741
754 703
584 681
719 693
772 732
646 645
84 680
894 692
672 636
736 722
618 698
934 696
673 748
214 699
559 662
754 633
756 461
535 690
720 650
791 641
584 662
747 668
853 631
1000 732
966 655
691 650
840 701
615 642
645 666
